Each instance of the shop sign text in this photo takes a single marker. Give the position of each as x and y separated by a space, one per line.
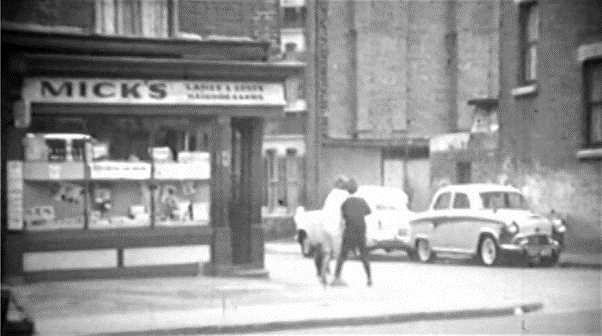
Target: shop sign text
116 91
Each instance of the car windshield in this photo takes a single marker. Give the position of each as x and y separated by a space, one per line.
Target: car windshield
503 200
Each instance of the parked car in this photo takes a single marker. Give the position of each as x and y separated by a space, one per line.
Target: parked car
387 227
486 221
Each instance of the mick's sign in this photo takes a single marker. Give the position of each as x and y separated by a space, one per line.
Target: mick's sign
152 92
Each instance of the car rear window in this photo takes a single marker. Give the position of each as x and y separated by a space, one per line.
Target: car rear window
503 200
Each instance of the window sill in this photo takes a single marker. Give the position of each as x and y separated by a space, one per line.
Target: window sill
526 90
590 153
523 2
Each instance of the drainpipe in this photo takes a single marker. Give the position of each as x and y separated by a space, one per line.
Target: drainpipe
451 65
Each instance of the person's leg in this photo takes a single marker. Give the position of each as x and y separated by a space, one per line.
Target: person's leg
318 258
364 255
341 259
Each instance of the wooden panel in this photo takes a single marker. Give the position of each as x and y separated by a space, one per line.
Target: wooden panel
148 110
171 255
63 260
394 175
112 273
70 240
45 171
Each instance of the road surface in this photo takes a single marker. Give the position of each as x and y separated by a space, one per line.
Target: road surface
582 322
571 296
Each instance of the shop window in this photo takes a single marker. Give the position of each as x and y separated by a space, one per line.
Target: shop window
147 18
529 38
593 76
272 181
293 183
96 172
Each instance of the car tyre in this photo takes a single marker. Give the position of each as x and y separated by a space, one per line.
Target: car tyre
489 251
550 261
424 252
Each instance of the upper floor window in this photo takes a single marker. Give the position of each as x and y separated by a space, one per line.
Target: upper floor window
294 16
529 22
593 82
138 18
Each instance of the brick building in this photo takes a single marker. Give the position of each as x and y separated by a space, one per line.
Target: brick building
550 113
391 75
132 135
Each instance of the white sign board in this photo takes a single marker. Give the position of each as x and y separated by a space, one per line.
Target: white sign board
15 195
152 92
111 170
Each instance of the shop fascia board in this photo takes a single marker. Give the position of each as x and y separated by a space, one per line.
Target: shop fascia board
85 43
138 67
417 143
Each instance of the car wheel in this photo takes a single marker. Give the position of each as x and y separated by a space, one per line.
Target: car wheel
550 261
424 251
489 252
306 248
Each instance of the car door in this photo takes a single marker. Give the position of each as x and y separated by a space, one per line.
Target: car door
440 221
461 224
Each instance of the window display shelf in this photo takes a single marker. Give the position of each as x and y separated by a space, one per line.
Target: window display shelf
117 170
53 171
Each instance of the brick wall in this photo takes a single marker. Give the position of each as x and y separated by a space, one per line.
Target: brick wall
340 77
478 54
255 18
74 13
409 67
541 133
252 18
382 31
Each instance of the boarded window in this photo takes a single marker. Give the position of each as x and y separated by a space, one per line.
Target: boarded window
147 18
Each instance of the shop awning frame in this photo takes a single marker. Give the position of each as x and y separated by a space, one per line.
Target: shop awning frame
159 68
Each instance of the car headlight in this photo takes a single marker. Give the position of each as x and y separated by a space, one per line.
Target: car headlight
558 225
512 228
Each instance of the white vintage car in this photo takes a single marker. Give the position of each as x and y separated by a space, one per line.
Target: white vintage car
487 221
387 227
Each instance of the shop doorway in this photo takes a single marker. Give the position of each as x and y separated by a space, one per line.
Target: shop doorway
245 206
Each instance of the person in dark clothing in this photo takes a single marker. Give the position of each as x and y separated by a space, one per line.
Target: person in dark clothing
354 209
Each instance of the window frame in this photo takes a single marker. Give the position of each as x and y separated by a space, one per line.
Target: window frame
588 103
112 10
526 44
436 204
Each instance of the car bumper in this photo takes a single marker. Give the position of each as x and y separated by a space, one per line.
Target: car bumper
532 251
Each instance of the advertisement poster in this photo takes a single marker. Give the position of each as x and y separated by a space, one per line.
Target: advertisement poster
15 195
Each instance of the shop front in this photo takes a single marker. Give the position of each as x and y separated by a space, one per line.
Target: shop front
134 166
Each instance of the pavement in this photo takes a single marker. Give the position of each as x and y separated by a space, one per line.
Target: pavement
291 299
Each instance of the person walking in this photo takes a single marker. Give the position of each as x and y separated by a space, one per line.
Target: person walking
353 210
326 238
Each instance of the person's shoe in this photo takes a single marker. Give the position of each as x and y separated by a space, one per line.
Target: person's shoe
337 282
